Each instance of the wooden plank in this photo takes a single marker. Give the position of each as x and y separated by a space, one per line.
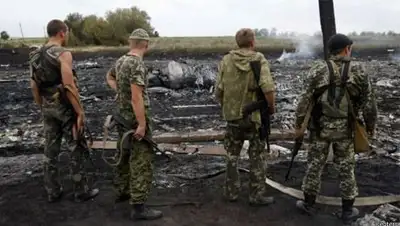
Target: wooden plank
191 137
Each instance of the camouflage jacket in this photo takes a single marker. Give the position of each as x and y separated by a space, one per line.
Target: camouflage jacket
236 86
359 87
130 69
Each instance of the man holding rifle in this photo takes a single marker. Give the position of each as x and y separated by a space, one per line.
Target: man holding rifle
336 90
133 176
243 75
55 90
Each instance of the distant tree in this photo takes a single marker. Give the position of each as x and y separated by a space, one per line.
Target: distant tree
264 32
4 35
353 34
156 34
273 32
112 29
391 33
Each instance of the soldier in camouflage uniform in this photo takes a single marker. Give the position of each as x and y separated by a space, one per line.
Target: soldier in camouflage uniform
332 124
51 67
133 176
235 87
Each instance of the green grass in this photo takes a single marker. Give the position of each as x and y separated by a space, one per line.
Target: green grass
209 44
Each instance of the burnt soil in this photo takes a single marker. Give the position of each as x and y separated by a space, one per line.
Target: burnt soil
23 202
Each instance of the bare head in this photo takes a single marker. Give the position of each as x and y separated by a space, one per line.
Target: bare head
245 38
58 31
139 41
340 45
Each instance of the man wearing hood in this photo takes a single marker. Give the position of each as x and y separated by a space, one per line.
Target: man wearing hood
235 88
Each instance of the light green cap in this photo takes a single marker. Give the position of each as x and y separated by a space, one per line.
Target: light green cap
140 34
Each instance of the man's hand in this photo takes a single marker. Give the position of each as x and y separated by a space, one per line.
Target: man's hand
270 97
78 127
140 132
80 123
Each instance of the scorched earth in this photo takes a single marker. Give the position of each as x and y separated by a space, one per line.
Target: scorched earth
181 95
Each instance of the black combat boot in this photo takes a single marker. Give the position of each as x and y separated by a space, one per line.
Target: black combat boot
262 201
55 197
349 213
85 196
307 206
140 212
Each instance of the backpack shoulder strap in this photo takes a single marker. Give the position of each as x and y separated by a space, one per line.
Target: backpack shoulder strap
332 85
344 78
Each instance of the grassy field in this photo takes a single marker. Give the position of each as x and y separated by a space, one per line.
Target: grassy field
212 44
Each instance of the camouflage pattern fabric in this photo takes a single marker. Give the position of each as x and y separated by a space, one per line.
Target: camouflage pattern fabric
358 85
135 173
58 122
237 132
139 34
344 159
335 131
58 117
235 87
129 70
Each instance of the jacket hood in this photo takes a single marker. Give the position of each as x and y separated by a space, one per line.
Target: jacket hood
241 58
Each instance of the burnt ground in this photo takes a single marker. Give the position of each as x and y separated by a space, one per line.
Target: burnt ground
25 204
22 200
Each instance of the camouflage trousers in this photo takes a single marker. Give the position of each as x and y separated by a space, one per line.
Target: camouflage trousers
134 175
343 158
237 132
58 123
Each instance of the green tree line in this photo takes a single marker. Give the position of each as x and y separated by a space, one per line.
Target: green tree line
110 30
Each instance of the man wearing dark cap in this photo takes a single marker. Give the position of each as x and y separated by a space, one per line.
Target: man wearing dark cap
332 122
134 175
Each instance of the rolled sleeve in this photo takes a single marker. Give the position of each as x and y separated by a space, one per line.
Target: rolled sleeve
266 81
138 74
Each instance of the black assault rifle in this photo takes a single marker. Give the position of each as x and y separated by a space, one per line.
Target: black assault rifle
128 125
81 139
261 104
298 142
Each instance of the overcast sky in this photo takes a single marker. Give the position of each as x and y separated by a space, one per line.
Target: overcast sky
209 17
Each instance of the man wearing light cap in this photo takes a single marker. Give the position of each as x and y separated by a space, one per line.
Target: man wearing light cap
332 121
133 176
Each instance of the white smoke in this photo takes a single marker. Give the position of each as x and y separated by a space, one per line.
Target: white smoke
305 48
393 55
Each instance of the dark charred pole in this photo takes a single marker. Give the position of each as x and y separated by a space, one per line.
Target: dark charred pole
328 25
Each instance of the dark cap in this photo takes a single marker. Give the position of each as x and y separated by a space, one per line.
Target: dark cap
338 41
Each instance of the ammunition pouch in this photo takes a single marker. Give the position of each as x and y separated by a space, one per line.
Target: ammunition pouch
238 129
